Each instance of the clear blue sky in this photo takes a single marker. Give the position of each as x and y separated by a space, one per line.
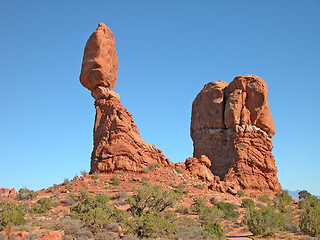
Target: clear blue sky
167 51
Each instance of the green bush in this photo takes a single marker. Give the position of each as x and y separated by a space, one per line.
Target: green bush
211 214
264 198
240 193
213 229
248 203
42 205
96 219
282 201
304 194
308 203
10 213
310 217
96 212
264 221
26 194
152 199
96 175
151 226
115 181
180 189
227 209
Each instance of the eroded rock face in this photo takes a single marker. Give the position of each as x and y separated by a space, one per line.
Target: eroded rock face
117 141
232 125
200 167
100 60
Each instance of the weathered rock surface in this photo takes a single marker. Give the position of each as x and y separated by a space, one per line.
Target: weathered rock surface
5 192
200 167
117 141
100 60
232 125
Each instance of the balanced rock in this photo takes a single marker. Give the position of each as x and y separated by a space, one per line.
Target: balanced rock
100 60
117 141
232 125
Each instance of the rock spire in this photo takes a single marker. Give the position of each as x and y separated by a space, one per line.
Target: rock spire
117 141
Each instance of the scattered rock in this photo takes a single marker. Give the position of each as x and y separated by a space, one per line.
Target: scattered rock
200 167
5 192
52 235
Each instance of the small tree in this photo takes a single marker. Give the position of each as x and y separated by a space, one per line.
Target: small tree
152 199
304 194
310 221
282 201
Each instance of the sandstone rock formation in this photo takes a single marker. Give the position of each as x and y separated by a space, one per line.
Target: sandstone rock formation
232 125
200 167
117 141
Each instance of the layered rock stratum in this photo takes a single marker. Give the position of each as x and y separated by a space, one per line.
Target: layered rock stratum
232 125
117 141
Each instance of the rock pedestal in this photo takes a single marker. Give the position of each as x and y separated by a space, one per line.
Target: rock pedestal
117 141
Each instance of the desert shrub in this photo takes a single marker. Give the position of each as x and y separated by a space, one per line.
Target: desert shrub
282 201
180 189
129 237
10 213
151 226
115 181
309 202
144 180
310 220
199 205
227 209
96 175
178 170
304 194
65 181
190 233
26 194
94 211
199 186
106 235
42 205
83 173
213 229
248 203
264 198
212 214
240 193
91 202
149 168
185 222
96 219
151 199
264 221
31 236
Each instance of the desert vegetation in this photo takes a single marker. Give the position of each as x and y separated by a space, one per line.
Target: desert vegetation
118 206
